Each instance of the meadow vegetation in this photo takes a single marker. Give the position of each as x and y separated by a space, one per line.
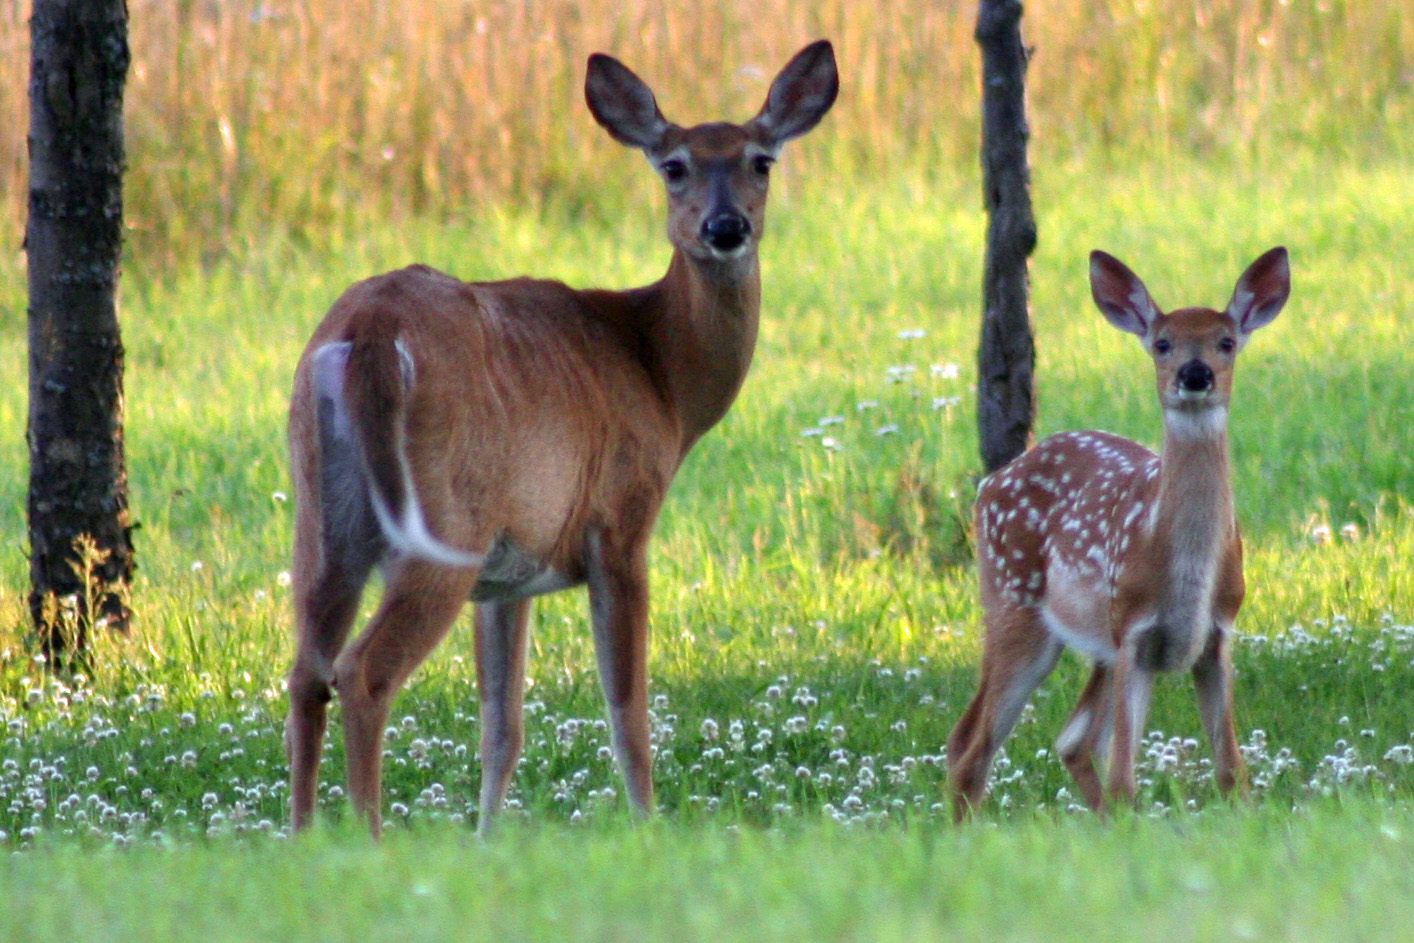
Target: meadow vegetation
815 614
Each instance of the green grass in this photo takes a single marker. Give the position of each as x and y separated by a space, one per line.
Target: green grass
1326 873
814 607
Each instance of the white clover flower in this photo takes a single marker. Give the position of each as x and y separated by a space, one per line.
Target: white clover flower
1402 754
1320 535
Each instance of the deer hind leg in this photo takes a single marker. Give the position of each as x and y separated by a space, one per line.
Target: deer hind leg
500 670
324 615
1080 741
1212 678
1017 655
419 605
618 600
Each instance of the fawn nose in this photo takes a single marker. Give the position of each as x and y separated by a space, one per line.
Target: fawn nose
726 231
1195 377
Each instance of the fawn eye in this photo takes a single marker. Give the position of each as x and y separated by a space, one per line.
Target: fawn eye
673 170
1227 345
761 163
1162 346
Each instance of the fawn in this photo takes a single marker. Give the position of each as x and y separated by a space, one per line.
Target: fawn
1093 542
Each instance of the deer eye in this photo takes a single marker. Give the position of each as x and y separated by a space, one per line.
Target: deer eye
1227 345
761 163
673 170
1162 346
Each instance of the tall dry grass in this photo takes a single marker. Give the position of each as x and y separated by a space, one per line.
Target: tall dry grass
312 115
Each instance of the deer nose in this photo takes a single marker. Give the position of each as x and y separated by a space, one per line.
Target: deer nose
1195 377
726 231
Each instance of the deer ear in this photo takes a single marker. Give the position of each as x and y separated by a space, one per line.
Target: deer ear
801 95
1261 291
1120 295
623 104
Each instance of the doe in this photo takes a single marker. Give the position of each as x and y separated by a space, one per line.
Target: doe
495 441
1092 541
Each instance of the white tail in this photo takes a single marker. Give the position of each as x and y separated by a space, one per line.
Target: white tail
1133 559
496 441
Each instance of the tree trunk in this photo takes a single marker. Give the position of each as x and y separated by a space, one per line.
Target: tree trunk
1006 356
81 557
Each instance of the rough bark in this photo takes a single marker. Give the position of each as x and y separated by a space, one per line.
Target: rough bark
1006 357
78 478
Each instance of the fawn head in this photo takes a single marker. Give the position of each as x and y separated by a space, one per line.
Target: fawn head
1194 349
716 174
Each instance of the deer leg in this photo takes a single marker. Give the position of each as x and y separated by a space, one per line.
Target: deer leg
618 600
419 605
1129 700
1212 678
324 614
501 633
1017 655
1078 743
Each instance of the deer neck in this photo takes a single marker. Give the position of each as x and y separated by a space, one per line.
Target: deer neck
701 331
1193 518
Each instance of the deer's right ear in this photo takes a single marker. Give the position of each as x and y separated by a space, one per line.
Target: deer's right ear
623 104
1120 295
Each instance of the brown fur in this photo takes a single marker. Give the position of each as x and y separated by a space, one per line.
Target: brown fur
536 430
1092 541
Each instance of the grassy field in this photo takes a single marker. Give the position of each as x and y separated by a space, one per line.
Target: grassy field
815 614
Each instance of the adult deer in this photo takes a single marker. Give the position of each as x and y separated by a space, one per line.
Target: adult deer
1134 559
495 441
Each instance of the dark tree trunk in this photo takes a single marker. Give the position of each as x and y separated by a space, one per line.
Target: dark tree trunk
78 480
1006 356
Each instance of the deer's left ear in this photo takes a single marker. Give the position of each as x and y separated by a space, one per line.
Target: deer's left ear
801 95
1261 291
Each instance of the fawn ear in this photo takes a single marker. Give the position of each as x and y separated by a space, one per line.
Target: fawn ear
1120 295
800 95
623 104
1261 291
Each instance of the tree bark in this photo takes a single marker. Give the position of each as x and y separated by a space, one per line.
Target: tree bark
78 479
1006 356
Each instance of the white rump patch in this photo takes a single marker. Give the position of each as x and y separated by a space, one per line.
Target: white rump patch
407 532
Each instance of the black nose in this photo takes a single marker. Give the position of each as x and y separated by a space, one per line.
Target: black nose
726 231
1195 376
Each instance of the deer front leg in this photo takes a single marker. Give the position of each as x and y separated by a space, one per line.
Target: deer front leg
1129 695
1212 678
500 671
618 600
